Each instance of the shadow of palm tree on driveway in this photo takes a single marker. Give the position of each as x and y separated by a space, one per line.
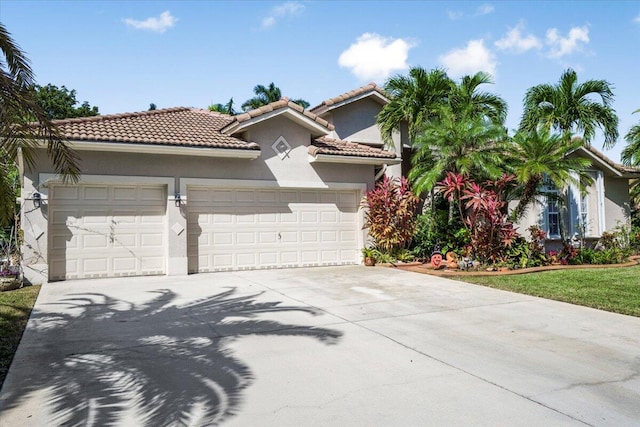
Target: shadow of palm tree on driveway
158 363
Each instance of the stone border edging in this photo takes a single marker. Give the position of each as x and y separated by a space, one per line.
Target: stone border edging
633 260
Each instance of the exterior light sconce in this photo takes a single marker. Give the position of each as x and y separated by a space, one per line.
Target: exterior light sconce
37 199
177 199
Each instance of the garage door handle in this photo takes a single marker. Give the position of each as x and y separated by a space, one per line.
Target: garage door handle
279 236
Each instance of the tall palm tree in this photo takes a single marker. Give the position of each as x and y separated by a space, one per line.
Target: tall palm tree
19 110
462 142
569 107
414 99
534 155
465 95
267 95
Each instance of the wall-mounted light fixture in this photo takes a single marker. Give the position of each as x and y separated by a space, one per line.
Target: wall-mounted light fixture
177 199
37 199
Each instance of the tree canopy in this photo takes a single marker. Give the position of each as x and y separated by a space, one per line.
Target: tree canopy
267 94
61 103
572 108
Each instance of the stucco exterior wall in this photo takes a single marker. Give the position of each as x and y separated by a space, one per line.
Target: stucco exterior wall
616 202
292 171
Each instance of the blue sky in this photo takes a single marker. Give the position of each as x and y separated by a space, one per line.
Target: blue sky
123 55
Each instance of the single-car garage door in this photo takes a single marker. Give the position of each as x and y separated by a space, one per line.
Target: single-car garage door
106 231
245 228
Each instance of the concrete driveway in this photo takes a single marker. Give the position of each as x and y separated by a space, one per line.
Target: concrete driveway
347 346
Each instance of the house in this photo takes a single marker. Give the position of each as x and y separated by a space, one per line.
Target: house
602 207
184 190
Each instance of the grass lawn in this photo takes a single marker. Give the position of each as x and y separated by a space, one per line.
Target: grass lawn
611 289
15 307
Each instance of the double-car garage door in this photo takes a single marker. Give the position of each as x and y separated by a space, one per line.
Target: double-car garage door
121 230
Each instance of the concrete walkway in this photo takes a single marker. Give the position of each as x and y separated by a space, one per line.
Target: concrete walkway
343 346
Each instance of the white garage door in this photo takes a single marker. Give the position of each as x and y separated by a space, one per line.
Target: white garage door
235 229
106 231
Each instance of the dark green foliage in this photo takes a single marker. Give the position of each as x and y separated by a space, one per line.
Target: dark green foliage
266 95
434 228
61 103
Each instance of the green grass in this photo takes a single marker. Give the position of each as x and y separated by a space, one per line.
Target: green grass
15 307
611 289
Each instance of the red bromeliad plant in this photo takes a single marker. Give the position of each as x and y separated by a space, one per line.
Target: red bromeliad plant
484 215
390 215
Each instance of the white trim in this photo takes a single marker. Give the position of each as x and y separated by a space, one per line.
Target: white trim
326 108
331 158
45 179
164 149
291 114
601 212
249 183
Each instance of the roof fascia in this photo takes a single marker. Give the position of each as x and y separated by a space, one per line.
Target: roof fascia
164 149
332 158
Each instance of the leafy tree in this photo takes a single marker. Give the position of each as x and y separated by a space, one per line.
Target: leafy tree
224 109
61 103
266 95
414 99
19 108
534 155
152 107
569 107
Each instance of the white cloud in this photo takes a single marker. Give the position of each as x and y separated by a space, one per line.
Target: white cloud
637 19
469 60
484 9
374 57
560 46
454 14
160 24
514 41
290 8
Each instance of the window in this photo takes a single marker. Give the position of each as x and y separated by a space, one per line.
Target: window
552 211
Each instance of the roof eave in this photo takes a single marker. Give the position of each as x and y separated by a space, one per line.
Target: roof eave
323 108
358 160
238 153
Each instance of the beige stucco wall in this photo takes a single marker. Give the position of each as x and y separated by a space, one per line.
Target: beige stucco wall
616 202
294 170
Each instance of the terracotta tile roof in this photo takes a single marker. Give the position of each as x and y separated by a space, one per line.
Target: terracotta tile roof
338 147
179 126
277 105
619 167
351 94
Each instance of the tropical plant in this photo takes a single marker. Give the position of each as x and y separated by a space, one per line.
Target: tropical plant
19 108
484 215
224 109
465 96
390 214
538 155
413 99
462 142
569 108
266 95
631 157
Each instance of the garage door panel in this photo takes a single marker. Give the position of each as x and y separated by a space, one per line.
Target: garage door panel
265 228
94 237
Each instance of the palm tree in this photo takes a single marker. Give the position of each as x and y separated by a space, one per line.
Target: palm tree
631 157
463 142
267 95
532 156
465 95
224 109
19 109
414 99
569 107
